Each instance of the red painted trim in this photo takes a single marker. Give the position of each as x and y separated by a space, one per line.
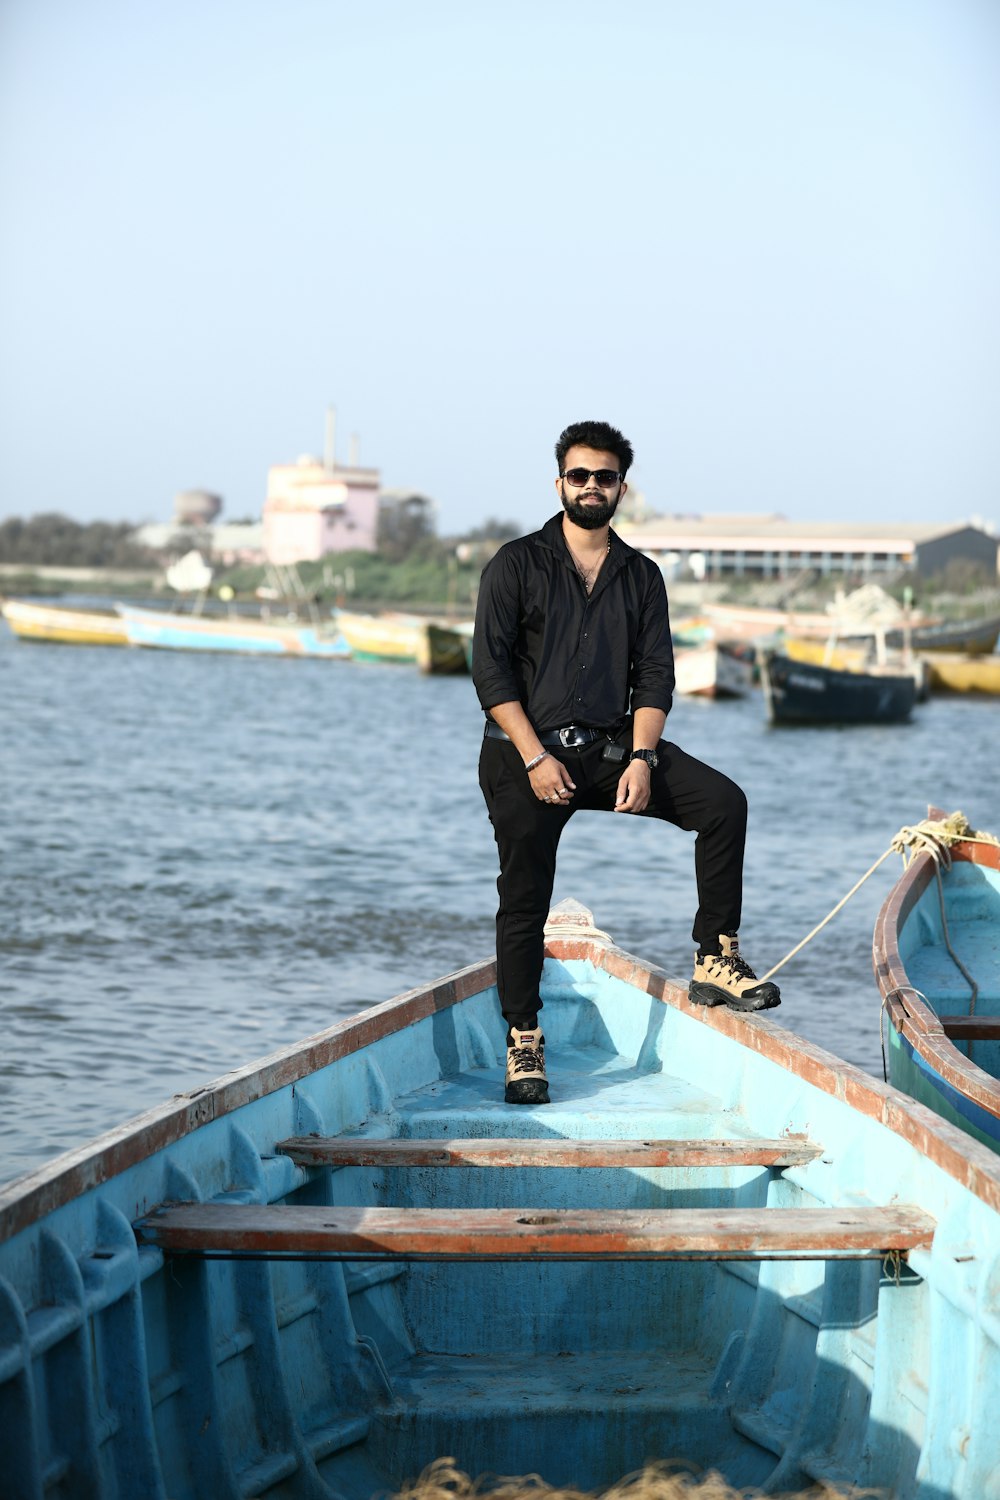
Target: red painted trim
912 1017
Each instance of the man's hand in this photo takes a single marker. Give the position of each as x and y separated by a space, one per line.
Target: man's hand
633 788
551 783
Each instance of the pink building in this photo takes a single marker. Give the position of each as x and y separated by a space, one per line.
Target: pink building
312 508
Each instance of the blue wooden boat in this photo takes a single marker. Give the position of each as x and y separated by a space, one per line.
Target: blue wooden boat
803 692
936 952
326 1270
170 631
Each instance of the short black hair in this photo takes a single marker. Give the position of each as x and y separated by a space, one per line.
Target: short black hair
599 435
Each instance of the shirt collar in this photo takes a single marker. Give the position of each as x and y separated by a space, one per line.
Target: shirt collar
553 536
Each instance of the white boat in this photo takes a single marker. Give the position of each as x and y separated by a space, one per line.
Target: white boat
711 672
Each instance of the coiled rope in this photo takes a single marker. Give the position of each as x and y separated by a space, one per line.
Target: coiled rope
932 836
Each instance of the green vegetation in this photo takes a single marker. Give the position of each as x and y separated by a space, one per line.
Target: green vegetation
53 540
431 574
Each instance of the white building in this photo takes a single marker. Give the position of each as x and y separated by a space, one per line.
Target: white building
772 547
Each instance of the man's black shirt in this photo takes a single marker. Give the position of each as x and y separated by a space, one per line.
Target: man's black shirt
566 658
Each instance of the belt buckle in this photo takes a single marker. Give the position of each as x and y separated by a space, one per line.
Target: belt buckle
564 736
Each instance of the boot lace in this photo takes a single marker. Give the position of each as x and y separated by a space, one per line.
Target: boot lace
737 965
526 1060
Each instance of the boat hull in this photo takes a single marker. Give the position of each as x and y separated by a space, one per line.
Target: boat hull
433 645
165 631
940 1047
955 673
67 627
132 1369
710 672
798 692
442 651
968 637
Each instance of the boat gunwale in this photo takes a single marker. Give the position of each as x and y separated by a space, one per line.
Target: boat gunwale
912 1017
842 674
30 1197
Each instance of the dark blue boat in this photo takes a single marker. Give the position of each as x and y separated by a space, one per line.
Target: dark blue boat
801 692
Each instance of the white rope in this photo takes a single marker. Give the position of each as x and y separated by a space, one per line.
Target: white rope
934 837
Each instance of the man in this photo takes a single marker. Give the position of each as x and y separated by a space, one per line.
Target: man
573 665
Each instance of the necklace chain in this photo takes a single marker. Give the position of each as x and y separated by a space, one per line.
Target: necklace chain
588 576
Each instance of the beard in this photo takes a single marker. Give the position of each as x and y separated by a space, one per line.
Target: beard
590 517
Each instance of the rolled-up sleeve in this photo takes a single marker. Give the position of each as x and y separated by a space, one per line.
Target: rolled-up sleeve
652 680
497 614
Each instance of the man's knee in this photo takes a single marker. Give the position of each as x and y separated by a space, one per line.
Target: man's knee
736 804
726 805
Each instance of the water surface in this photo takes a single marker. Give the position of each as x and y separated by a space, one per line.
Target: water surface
206 858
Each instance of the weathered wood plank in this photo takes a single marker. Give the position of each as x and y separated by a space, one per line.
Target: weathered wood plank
338 1151
971 1028
516 1233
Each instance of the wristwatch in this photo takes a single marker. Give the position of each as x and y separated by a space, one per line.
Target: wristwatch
649 756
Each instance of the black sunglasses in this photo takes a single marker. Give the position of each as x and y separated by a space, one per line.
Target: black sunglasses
605 478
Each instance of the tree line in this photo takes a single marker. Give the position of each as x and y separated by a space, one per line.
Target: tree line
56 541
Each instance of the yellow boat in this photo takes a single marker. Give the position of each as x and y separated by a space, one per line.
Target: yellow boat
435 646
824 654
72 627
951 673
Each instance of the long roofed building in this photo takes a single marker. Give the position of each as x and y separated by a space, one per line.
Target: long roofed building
737 546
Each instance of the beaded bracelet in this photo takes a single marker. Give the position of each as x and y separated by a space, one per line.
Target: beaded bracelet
531 764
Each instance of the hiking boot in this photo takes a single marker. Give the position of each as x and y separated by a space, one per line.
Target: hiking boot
727 979
526 1080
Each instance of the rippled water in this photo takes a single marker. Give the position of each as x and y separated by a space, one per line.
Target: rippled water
208 858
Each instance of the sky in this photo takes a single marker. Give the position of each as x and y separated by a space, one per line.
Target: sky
760 236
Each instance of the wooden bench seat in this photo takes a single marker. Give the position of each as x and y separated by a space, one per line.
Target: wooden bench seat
357 1151
414 1234
971 1028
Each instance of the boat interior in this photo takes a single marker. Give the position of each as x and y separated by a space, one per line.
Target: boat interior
692 1253
952 955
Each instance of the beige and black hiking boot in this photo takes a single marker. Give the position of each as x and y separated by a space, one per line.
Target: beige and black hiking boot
727 979
526 1080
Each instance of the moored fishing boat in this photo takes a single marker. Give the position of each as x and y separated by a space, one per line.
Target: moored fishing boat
951 672
801 692
385 638
167 630
968 637
710 672
435 646
443 649
330 1268
869 654
69 627
751 623
936 953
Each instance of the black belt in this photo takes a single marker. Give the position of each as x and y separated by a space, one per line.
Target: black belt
571 738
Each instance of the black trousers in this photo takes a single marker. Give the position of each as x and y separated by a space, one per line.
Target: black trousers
684 791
